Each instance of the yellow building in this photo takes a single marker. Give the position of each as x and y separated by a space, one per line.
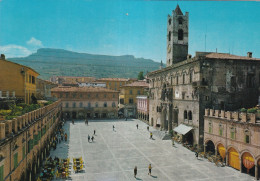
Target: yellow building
115 83
127 97
17 80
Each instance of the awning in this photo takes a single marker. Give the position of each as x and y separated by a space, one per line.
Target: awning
182 129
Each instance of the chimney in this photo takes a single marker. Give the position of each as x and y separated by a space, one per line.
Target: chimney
3 56
249 54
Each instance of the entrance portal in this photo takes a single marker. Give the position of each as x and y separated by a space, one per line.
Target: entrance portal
210 148
188 138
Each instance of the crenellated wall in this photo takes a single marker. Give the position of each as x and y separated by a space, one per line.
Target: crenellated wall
234 116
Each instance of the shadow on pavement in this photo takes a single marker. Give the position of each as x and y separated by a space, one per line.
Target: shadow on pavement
153 176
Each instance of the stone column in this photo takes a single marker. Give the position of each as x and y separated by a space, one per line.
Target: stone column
226 157
170 117
162 120
256 171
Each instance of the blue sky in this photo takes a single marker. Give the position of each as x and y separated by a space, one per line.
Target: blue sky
103 27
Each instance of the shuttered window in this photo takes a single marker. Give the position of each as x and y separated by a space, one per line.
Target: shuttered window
15 160
2 173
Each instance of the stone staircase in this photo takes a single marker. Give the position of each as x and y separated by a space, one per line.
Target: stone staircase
163 135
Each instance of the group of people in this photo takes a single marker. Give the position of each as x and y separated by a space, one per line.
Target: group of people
92 138
60 135
149 170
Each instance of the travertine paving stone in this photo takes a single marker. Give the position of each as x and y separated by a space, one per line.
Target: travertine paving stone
114 154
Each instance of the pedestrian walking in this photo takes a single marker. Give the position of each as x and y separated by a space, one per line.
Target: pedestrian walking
126 118
94 132
136 126
92 138
113 128
147 128
135 171
151 135
197 154
150 169
88 137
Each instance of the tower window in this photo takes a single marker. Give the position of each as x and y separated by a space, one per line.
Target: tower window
170 21
180 21
169 37
180 34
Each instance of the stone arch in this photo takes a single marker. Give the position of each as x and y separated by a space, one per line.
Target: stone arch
244 151
233 158
185 114
247 163
210 147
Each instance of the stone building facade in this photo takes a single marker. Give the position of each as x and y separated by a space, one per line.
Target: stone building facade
25 142
17 80
179 93
236 137
115 83
143 108
43 89
87 102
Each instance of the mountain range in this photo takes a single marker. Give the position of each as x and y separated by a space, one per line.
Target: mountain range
59 62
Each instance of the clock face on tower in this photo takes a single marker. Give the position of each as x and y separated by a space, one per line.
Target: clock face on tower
169 48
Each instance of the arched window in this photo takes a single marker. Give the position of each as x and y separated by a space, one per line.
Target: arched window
233 133
180 21
169 36
185 114
190 115
180 34
113 104
105 104
210 127
247 136
183 78
170 21
220 130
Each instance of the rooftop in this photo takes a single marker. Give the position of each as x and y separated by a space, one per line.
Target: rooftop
81 89
112 79
139 83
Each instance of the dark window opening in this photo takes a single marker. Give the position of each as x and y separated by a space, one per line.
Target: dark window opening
180 34
190 115
247 139
180 21
131 101
169 37
191 77
185 114
121 101
170 21
183 78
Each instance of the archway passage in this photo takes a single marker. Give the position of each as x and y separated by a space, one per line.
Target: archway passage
222 151
210 147
74 115
248 164
258 163
188 138
233 159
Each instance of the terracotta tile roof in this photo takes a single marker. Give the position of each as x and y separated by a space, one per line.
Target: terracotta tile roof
112 79
82 89
137 84
178 10
228 56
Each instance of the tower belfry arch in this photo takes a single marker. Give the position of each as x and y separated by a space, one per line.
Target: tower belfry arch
177 36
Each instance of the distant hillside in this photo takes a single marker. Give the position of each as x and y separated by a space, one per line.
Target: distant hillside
49 62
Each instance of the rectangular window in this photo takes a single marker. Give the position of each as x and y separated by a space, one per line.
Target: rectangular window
121 101
220 131
33 80
67 104
177 80
130 92
2 173
138 92
232 135
247 139
23 151
15 160
131 101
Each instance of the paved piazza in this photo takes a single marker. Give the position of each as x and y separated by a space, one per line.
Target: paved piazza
114 154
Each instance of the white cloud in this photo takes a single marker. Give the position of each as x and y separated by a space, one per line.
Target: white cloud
14 51
34 42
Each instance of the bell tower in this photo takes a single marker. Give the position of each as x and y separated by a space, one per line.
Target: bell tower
177 36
